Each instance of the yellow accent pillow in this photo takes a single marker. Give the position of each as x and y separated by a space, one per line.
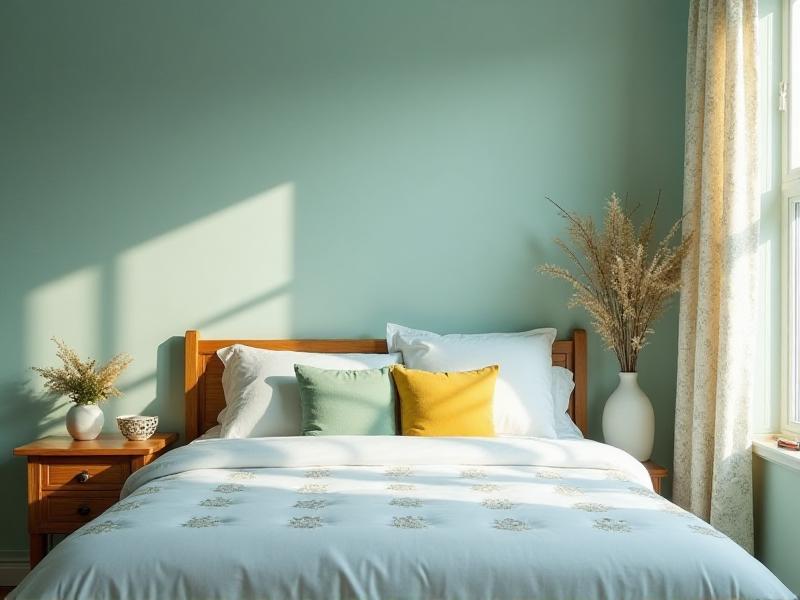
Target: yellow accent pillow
457 403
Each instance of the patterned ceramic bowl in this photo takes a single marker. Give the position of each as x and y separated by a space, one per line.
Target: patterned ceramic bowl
137 427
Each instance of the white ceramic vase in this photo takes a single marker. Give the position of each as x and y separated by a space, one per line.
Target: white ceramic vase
628 419
84 421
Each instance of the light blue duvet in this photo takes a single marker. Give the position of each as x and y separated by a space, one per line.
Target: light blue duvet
397 517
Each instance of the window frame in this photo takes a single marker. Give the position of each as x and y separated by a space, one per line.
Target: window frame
790 230
791 340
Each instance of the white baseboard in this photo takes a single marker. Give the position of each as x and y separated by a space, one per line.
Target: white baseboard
13 567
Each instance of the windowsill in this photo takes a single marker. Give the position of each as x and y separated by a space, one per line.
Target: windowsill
764 445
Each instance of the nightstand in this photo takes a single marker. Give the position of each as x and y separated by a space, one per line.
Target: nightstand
657 473
71 483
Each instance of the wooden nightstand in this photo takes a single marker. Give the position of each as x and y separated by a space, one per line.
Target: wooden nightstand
657 473
70 483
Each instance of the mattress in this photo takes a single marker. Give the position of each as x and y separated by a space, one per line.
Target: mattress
396 517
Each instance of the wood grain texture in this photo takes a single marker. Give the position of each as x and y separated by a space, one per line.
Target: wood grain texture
192 380
81 472
580 371
205 398
62 513
107 444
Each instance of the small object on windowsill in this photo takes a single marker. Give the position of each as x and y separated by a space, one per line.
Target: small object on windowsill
788 444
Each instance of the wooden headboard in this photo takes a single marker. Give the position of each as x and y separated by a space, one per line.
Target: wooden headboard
203 374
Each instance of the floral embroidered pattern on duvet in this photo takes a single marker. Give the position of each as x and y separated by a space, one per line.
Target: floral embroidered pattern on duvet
524 492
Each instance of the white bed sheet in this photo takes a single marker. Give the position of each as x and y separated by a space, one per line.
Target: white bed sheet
396 517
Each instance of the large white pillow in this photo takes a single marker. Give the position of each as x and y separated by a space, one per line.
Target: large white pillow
563 385
523 401
261 392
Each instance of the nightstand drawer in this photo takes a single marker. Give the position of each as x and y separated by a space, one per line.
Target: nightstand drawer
73 509
71 474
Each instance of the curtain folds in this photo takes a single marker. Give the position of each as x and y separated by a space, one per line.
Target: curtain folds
712 472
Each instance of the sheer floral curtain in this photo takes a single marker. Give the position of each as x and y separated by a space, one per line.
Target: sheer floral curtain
713 476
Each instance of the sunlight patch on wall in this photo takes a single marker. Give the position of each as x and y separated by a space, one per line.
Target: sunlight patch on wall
214 271
228 274
66 308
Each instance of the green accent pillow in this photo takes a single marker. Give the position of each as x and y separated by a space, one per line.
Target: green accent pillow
347 402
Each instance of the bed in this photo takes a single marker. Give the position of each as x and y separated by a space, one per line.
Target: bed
392 516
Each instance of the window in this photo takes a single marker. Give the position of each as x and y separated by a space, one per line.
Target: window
789 102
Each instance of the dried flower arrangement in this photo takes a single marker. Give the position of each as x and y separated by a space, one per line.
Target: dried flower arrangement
620 281
82 380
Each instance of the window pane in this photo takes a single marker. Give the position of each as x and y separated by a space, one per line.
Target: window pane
794 356
794 85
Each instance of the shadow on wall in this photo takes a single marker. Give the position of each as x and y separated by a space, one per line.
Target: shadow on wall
30 410
25 414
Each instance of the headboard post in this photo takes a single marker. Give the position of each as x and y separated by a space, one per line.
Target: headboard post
203 371
191 378
581 377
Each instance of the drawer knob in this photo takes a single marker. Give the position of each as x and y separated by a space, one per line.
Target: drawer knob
83 477
84 510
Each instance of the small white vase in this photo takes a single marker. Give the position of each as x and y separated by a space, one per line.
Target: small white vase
628 419
85 421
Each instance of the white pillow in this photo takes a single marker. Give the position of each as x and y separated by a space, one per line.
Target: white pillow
562 388
523 401
211 434
261 393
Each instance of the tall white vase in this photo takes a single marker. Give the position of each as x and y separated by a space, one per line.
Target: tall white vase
85 421
628 419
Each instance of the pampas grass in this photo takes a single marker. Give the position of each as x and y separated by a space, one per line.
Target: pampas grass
81 380
622 282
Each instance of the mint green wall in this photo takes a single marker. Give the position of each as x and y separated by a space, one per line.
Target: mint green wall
313 168
777 529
